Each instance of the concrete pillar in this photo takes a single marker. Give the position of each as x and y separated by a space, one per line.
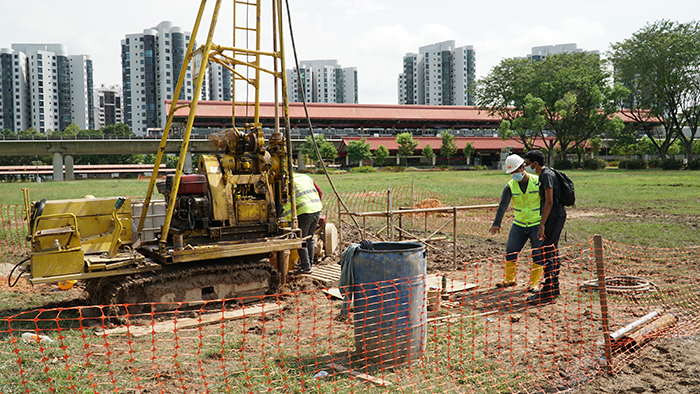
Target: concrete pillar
68 160
188 162
398 160
57 167
347 160
432 159
300 161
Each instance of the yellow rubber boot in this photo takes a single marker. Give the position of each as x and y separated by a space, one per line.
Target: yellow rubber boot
535 275
510 273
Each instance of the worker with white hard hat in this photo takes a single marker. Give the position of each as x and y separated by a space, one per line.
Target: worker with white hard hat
523 189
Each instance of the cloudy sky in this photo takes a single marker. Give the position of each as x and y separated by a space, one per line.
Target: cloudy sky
372 35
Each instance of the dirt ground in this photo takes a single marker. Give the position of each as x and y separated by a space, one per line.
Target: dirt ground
671 365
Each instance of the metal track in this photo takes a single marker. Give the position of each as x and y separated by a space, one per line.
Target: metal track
178 286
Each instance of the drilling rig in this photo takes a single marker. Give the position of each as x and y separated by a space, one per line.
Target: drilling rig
223 235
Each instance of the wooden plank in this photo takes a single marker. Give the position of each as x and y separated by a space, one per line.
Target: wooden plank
329 274
209 318
431 280
453 286
459 315
362 376
333 292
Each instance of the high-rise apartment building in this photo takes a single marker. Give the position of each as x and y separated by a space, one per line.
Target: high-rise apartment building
439 74
151 63
108 106
322 81
14 101
217 84
541 52
41 86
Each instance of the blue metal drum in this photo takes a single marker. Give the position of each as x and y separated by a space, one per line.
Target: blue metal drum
389 307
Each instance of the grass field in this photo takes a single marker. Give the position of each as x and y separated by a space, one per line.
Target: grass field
642 208
645 208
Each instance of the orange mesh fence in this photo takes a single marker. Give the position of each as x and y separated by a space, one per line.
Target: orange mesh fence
469 222
651 293
405 335
13 230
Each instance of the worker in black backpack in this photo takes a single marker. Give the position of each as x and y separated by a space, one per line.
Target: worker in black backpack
553 219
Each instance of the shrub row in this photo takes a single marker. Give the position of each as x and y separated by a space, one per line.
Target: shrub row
628 164
668 164
363 170
588 164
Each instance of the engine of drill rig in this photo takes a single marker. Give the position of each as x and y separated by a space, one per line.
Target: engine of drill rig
236 192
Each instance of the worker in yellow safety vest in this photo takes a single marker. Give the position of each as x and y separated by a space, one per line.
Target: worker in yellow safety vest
523 189
308 202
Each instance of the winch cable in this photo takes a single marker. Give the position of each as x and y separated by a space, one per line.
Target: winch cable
308 119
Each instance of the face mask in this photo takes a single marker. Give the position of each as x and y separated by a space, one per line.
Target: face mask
518 176
530 170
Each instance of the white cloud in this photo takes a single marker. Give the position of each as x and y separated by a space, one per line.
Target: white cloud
352 8
372 35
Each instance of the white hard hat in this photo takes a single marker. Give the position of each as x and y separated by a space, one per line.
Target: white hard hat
513 162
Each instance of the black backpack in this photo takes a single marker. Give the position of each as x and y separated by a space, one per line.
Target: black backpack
567 196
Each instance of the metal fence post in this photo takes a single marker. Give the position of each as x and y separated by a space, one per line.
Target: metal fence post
600 270
340 225
454 231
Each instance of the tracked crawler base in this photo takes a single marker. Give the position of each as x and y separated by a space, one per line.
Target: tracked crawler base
183 286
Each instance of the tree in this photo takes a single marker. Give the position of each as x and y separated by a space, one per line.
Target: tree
406 146
675 149
647 146
117 130
54 134
380 154
359 150
29 133
566 96
502 92
449 146
71 131
623 142
9 133
596 144
659 65
325 148
428 153
468 151
89 134
529 126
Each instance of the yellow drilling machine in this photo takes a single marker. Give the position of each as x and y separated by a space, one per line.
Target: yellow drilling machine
222 234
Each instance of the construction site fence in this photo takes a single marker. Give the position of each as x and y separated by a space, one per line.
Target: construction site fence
397 225
420 334
13 226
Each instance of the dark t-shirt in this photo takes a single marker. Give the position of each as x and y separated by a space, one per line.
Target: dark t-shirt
549 179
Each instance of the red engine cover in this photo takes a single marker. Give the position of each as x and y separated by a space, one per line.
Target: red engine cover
193 184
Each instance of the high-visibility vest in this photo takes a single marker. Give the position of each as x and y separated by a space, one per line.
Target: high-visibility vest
526 206
307 197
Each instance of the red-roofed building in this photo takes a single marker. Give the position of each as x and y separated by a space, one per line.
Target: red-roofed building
331 115
341 123
325 115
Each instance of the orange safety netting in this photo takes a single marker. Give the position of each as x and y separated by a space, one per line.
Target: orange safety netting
13 227
13 230
476 222
395 338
